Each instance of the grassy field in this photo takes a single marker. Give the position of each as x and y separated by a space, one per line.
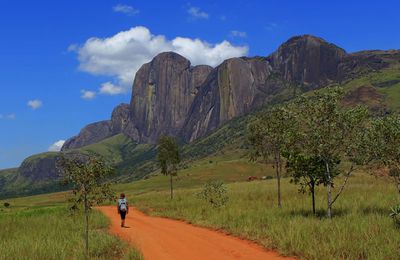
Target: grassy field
41 227
361 227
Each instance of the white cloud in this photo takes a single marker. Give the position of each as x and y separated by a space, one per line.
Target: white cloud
35 104
240 34
195 12
122 54
56 147
110 89
87 94
125 9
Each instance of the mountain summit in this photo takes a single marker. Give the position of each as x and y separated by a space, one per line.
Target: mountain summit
171 97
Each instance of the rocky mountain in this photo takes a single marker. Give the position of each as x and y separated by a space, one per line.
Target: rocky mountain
170 97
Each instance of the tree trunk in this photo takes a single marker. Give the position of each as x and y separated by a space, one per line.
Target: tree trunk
329 188
312 189
172 194
87 226
278 177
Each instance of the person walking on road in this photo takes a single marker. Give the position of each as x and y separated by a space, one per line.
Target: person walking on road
123 208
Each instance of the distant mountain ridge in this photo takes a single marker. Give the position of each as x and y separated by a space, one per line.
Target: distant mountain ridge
208 108
170 97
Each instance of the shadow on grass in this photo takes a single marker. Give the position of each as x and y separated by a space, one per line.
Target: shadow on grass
320 213
375 211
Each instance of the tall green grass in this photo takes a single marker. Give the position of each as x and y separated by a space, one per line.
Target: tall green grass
360 229
51 232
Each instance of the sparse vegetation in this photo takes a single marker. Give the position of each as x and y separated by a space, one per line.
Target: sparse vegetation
168 158
360 229
214 193
87 175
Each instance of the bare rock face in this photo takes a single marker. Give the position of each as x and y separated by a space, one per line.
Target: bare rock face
171 97
163 91
232 89
40 168
90 134
308 60
96 132
363 62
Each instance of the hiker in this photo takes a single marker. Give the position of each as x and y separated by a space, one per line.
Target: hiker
122 208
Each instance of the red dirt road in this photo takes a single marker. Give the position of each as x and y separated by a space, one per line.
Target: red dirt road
162 239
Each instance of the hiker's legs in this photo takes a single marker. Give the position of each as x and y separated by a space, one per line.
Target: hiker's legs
123 214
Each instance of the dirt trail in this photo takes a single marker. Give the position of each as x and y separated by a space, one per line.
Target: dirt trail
161 238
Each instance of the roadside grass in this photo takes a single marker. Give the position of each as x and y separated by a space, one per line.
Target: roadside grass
52 232
360 229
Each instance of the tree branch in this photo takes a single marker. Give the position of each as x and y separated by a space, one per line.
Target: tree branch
344 183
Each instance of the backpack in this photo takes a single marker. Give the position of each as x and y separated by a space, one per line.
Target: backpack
122 205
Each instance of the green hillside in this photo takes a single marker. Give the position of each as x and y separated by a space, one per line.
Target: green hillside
379 90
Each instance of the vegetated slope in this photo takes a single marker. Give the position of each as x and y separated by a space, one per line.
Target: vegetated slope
371 78
379 90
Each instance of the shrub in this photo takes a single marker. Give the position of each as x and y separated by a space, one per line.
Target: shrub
214 193
395 214
6 204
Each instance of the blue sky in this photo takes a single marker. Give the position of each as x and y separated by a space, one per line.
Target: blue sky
54 80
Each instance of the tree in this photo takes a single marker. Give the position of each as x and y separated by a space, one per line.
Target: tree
168 157
385 145
87 174
331 133
308 172
268 135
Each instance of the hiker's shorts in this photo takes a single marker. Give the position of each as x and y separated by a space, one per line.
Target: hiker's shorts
123 215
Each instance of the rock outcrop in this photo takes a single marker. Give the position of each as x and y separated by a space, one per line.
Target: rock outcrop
163 91
40 167
171 97
308 60
93 133
232 89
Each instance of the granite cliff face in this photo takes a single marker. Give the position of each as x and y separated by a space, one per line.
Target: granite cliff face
307 60
163 91
171 97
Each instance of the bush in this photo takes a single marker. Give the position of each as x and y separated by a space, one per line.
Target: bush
395 214
214 193
6 204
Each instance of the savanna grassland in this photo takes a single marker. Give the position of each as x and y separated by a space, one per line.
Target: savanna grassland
42 227
360 228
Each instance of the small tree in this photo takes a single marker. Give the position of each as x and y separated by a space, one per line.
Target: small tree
330 132
385 145
308 172
87 175
168 157
268 135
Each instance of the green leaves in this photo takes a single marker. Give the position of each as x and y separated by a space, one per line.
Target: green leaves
214 193
270 132
168 155
88 176
384 142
